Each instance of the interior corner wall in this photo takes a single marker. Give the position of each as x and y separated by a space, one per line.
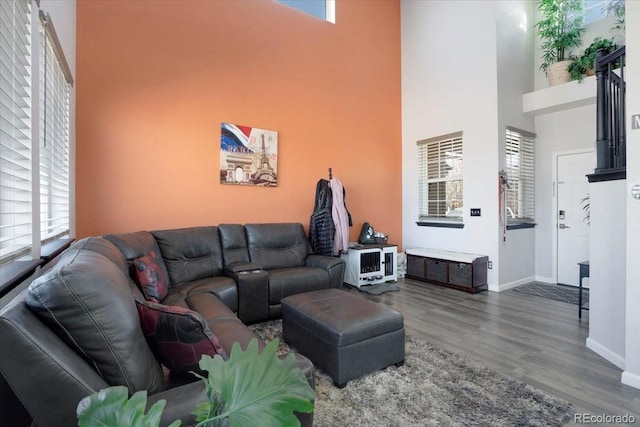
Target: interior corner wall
563 131
449 84
514 47
631 374
156 79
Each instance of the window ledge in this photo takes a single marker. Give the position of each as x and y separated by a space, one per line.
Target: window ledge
15 272
520 225
54 248
443 224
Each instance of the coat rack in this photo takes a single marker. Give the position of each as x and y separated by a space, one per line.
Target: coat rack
330 175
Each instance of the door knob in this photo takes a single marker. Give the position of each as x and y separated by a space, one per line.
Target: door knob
562 226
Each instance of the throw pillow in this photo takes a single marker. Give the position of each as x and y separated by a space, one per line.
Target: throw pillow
177 336
150 277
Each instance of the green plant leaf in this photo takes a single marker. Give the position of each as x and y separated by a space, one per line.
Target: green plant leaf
560 29
112 407
258 388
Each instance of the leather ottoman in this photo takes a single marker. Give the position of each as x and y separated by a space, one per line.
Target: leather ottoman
344 335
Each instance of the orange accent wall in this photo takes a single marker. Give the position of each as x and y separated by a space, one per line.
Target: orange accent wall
155 79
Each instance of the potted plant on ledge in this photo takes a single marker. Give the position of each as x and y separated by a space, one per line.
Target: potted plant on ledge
560 29
583 65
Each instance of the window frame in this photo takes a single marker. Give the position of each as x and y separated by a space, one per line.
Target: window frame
520 171
54 136
328 14
41 249
17 131
432 155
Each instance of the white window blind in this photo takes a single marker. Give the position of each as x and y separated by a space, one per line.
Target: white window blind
440 164
15 129
54 139
520 168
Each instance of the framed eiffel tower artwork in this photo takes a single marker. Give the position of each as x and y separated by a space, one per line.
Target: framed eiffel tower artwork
248 156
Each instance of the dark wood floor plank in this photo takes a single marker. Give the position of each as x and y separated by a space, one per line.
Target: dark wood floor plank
529 338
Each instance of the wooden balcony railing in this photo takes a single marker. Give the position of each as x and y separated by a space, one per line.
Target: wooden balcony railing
611 138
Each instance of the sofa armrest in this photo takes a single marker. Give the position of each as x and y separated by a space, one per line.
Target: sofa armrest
334 266
237 267
253 291
47 376
181 401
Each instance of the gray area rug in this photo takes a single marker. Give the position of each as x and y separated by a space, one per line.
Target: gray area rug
568 294
434 387
379 288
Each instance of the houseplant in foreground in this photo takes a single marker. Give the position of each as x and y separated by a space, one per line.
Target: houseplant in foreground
560 29
250 386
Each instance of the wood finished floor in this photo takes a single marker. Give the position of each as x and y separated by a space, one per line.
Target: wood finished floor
536 340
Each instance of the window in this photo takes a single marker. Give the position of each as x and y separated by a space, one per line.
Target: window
520 192
15 129
595 10
440 177
54 139
35 83
322 9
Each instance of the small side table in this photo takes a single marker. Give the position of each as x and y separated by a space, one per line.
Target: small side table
584 272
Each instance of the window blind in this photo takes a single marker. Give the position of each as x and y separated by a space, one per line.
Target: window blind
15 129
440 169
520 168
54 139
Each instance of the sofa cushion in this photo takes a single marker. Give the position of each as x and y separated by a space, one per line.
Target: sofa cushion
106 248
136 245
291 281
178 336
190 253
85 298
150 276
222 287
273 246
234 244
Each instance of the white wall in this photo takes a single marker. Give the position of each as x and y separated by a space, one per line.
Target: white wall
607 271
63 15
564 131
516 258
445 91
631 375
514 48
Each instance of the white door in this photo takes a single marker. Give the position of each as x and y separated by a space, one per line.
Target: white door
571 217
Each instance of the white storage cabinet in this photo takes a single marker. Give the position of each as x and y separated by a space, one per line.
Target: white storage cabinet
371 265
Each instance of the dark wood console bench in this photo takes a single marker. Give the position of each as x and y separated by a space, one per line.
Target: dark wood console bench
459 270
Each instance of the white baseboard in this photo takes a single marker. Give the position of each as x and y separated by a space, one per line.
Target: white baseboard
546 279
631 379
506 286
603 351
